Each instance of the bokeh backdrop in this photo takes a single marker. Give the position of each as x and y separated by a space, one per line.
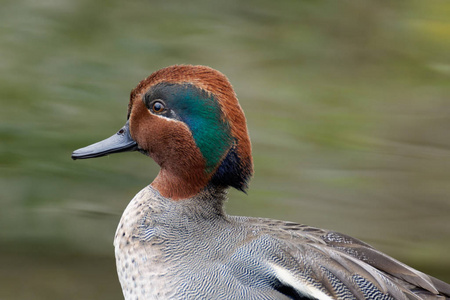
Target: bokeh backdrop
347 105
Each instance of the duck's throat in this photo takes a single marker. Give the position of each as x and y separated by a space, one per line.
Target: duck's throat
178 186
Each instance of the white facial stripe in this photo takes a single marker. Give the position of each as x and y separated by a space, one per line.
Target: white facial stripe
164 117
171 120
289 279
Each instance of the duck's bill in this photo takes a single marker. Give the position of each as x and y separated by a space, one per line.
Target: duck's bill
120 142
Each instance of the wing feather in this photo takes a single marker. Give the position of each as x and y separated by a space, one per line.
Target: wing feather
342 264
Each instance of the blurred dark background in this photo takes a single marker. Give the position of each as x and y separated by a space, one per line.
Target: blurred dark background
347 105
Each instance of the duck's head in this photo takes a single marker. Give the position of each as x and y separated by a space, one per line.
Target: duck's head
188 119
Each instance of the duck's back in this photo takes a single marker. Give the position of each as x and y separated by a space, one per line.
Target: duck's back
191 250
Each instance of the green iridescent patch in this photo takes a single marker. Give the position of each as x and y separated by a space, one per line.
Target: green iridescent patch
202 114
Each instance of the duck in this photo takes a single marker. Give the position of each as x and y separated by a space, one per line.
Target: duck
175 240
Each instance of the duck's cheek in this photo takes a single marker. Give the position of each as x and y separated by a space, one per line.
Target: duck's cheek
169 142
147 132
173 146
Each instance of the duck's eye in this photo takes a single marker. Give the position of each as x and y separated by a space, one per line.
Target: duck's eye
158 107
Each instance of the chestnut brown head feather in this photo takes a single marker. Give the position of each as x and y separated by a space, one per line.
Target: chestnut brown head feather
201 136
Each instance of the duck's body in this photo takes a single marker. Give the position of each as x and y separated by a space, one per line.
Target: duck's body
174 240
193 250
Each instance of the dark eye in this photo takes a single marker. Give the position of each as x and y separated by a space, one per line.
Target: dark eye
158 107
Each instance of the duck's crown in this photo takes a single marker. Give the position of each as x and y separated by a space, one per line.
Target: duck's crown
188 119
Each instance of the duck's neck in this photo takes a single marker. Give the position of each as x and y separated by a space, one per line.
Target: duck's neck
179 186
210 199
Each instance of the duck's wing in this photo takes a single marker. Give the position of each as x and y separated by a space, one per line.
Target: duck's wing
421 283
323 264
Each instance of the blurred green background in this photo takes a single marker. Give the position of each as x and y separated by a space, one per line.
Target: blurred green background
347 105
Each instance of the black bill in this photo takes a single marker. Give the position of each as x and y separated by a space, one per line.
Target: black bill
120 142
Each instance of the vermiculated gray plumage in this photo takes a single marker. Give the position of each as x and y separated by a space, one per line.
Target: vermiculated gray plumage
191 249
